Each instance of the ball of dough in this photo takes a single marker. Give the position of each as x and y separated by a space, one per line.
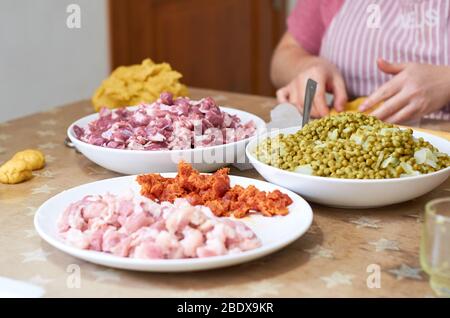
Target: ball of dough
34 159
15 171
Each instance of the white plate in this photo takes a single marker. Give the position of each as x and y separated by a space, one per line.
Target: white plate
274 232
143 161
352 193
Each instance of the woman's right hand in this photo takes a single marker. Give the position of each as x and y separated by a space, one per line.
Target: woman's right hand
328 79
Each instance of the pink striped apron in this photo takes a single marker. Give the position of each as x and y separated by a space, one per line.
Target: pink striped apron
398 31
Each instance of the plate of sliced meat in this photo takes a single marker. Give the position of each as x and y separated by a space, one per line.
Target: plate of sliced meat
173 222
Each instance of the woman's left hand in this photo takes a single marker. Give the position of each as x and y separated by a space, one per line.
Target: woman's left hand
414 91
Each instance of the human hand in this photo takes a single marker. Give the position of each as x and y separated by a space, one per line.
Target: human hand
328 79
414 91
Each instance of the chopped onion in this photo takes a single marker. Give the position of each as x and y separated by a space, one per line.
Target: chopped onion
431 163
389 161
385 131
333 135
408 169
358 139
380 159
319 144
347 130
425 156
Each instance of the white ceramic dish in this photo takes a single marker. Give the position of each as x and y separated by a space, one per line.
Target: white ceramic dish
274 232
142 161
352 193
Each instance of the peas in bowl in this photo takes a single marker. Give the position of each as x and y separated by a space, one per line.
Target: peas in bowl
352 160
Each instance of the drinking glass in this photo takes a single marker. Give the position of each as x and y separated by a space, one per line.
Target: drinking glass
435 245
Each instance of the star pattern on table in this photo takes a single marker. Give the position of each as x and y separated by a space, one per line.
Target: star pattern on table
264 288
319 251
4 137
336 279
31 210
48 145
49 122
106 275
405 271
45 133
383 244
38 255
418 217
30 233
50 158
42 189
44 173
39 280
366 222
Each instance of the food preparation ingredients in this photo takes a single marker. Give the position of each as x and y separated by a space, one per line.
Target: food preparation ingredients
213 191
19 167
352 146
15 171
34 158
134 226
167 124
353 106
135 84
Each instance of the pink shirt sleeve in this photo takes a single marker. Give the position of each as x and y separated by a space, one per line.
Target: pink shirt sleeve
309 20
306 26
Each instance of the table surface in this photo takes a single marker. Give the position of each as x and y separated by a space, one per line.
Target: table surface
335 258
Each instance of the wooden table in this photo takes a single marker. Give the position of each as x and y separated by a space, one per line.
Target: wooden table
331 259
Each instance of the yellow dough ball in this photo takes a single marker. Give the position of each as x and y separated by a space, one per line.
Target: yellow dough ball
19 168
34 159
15 171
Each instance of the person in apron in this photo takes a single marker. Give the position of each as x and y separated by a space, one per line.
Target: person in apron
394 52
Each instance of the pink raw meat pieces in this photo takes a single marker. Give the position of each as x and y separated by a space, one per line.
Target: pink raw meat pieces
135 226
166 124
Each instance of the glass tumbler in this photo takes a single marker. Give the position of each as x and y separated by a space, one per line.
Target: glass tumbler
435 245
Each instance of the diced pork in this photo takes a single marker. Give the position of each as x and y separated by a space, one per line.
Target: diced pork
165 124
134 226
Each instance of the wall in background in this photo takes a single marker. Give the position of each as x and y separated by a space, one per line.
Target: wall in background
43 63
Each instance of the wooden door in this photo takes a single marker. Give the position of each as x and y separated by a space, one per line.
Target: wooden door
218 44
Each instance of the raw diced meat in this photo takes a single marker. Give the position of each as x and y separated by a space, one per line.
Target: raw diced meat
129 226
165 125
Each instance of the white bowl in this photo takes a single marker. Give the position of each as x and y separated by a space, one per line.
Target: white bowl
146 161
352 193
